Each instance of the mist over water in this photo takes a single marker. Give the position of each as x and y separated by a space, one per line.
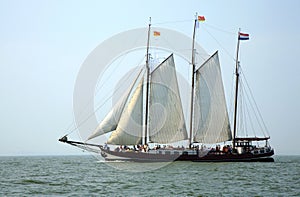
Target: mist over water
86 176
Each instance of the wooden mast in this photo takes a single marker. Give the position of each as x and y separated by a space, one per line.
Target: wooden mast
236 90
147 85
193 84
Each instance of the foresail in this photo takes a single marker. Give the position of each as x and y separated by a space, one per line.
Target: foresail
166 119
110 122
129 128
211 122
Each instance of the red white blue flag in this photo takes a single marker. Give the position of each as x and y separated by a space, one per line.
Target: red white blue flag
243 36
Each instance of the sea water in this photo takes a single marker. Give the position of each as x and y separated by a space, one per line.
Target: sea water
87 176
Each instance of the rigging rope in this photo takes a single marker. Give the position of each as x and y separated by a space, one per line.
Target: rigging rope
254 107
219 44
170 22
241 117
219 29
83 109
76 126
92 98
99 107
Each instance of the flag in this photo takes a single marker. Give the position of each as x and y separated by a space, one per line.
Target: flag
201 18
243 36
156 33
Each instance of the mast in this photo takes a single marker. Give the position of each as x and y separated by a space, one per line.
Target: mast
236 89
147 85
193 85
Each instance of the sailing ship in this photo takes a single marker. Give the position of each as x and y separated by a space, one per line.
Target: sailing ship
150 117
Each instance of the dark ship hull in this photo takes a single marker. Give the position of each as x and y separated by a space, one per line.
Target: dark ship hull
243 153
264 155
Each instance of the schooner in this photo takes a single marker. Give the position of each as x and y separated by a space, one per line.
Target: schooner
151 112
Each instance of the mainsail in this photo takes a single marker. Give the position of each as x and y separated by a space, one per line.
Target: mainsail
166 119
211 122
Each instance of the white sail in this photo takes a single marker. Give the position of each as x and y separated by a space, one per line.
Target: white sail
129 129
166 119
211 123
111 120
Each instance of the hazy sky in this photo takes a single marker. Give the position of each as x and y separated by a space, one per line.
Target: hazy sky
44 43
